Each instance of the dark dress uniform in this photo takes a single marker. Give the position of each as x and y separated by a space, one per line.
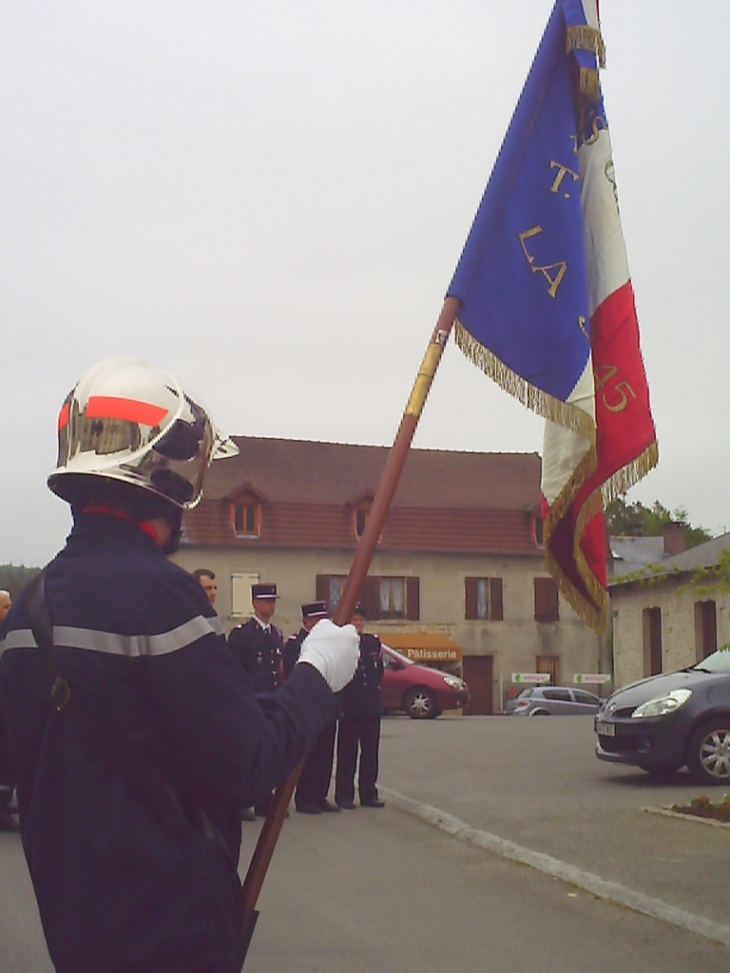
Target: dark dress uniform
314 779
258 650
361 707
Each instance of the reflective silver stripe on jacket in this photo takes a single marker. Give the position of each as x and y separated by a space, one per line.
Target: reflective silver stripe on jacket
115 644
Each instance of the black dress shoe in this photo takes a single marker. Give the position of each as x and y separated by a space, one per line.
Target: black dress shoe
327 806
373 802
308 809
346 805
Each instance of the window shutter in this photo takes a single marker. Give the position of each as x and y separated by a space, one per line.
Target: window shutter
546 600
470 591
413 599
323 589
370 597
495 600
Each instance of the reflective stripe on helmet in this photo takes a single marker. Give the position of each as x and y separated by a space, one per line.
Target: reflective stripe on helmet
129 410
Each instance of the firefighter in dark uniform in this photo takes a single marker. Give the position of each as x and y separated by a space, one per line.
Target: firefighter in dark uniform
256 645
314 780
361 707
130 874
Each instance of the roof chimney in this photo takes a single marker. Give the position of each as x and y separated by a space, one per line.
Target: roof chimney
675 538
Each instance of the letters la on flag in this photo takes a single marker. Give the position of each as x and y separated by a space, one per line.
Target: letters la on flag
546 302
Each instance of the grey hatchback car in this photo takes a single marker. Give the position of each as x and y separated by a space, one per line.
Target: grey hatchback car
552 701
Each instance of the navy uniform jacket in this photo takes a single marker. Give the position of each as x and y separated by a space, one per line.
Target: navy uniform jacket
291 650
144 651
361 697
259 652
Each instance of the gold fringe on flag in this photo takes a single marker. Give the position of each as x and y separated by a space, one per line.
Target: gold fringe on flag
547 406
594 612
585 38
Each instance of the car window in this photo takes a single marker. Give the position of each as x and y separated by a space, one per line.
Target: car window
583 697
717 662
525 693
559 694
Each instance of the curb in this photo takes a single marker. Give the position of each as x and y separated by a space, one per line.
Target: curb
589 882
667 812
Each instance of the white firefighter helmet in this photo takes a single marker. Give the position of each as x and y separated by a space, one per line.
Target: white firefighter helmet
131 422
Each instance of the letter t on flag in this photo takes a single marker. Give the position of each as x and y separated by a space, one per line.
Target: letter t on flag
547 306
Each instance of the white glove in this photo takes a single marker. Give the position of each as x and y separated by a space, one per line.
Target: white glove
333 651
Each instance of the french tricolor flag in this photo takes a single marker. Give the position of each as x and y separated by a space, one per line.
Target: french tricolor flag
547 306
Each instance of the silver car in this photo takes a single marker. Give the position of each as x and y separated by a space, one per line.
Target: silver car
552 701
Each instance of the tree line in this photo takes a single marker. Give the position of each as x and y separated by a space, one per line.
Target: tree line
14 577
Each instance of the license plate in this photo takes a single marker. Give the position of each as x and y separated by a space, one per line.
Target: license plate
606 729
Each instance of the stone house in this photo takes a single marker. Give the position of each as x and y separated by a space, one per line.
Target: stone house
670 613
458 579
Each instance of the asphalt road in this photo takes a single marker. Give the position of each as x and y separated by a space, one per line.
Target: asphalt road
383 890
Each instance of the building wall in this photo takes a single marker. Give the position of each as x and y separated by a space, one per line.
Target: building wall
680 637
514 643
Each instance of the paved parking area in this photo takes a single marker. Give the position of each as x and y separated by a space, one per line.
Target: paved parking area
536 782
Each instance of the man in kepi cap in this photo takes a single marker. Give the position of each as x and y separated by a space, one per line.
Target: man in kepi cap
256 645
314 780
134 735
361 707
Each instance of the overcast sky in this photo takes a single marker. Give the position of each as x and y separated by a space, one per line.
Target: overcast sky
269 200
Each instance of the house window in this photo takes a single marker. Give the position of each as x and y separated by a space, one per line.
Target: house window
538 524
241 594
546 600
483 599
705 629
246 518
652 639
361 514
381 597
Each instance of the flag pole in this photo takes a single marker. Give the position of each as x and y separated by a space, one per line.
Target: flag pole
363 556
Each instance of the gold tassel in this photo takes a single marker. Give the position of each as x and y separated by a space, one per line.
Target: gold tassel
547 406
585 38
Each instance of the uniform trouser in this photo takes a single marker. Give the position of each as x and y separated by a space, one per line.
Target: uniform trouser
314 780
354 731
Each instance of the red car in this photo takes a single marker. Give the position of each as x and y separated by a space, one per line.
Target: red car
419 691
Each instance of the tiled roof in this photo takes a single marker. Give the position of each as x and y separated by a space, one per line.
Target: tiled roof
300 471
446 501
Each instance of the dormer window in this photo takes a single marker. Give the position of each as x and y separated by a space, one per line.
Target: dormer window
247 517
361 514
538 532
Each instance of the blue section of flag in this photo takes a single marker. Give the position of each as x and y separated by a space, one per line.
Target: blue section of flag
521 279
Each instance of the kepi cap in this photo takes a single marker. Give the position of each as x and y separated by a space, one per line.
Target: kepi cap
263 591
316 609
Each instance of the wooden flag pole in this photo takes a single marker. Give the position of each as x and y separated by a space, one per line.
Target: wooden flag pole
363 556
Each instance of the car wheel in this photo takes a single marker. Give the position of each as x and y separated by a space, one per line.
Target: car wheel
540 712
708 754
420 704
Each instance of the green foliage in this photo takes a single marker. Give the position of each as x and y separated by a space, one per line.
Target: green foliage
636 520
14 577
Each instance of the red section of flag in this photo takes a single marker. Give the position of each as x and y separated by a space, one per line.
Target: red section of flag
129 410
624 426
